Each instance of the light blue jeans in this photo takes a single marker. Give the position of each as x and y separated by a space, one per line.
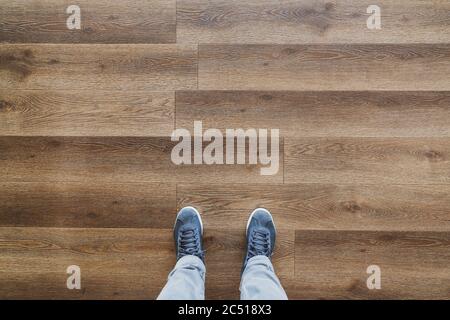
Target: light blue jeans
187 281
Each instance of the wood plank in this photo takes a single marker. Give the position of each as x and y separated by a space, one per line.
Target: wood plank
86 113
332 264
102 21
368 160
323 206
311 21
26 286
113 159
109 67
119 263
93 204
115 263
324 67
320 114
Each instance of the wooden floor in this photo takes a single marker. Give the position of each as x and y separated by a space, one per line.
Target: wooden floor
85 121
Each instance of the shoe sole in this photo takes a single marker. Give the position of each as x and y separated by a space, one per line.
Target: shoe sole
252 214
196 212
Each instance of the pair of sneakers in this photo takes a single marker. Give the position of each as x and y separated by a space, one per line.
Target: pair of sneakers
188 231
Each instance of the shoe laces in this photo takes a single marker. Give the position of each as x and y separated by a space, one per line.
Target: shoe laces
189 243
259 244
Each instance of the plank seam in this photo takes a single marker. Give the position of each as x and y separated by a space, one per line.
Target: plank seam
284 158
175 110
176 21
198 63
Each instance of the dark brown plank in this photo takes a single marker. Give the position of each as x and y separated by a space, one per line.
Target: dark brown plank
108 67
320 114
86 113
333 264
119 263
311 21
93 204
323 207
368 160
111 160
102 21
324 67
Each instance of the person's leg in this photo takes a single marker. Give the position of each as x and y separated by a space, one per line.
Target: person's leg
258 280
187 280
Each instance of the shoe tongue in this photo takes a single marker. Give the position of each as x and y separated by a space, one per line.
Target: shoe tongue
187 227
260 240
187 231
261 230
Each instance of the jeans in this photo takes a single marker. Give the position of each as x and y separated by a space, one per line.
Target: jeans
187 281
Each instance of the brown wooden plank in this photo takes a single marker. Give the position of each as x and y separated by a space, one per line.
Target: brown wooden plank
311 21
333 264
93 204
112 160
115 263
320 114
51 286
322 206
102 21
110 67
85 113
324 67
119 263
368 160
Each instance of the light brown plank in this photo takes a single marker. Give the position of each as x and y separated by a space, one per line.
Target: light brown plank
368 160
102 21
93 204
86 113
108 67
332 264
323 207
119 263
311 21
113 159
324 67
320 114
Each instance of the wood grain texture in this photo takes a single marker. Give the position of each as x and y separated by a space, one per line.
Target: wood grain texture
87 205
332 264
86 113
115 263
119 263
323 206
320 114
86 176
324 67
311 21
112 159
108 67
368 160
102 21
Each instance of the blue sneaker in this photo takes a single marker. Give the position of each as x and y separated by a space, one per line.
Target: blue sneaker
261 235
187 232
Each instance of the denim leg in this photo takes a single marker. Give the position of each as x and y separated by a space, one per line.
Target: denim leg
186 281
259 281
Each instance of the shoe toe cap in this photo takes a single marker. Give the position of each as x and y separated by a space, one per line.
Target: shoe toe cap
262 217
188 215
